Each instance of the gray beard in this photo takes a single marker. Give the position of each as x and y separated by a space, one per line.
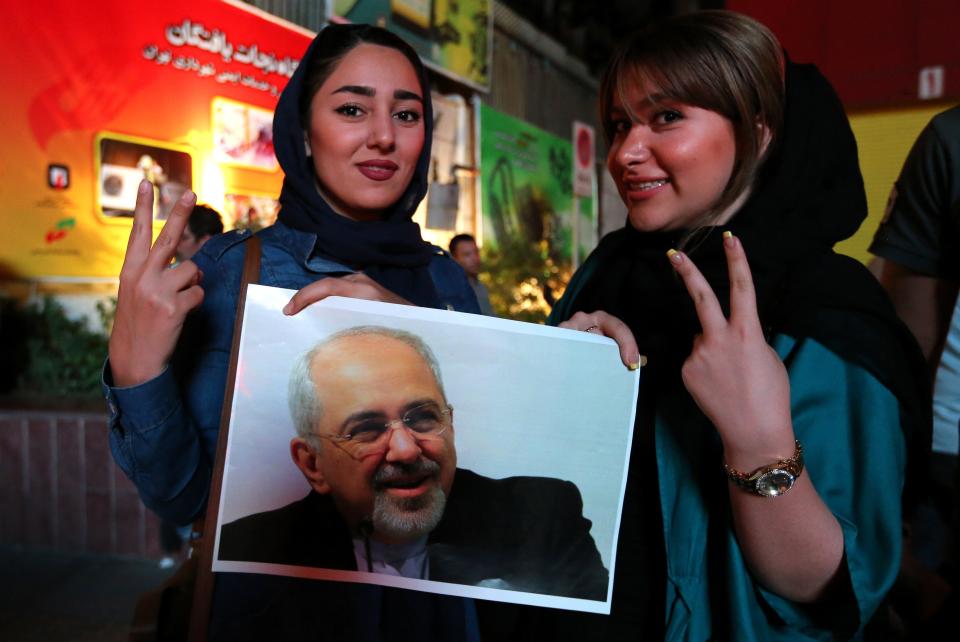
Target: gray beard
408 518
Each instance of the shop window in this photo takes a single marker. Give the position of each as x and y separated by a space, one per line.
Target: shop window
123 163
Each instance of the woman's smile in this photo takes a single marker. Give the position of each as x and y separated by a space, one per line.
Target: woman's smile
378 170
641 189
671 161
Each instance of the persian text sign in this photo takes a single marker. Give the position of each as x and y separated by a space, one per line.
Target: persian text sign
127 94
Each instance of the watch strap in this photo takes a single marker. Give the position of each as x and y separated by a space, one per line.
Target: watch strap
756 482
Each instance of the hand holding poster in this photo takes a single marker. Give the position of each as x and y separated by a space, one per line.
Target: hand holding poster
425 449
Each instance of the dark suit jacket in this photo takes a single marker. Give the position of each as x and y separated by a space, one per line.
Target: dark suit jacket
520 533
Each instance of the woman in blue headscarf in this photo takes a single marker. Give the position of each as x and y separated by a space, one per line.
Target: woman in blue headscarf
352 132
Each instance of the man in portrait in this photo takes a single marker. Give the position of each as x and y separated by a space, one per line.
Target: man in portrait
375 442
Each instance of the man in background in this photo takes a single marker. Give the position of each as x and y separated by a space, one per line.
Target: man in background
204 222
463 248
918 243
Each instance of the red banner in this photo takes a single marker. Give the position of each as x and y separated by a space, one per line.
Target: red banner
98 96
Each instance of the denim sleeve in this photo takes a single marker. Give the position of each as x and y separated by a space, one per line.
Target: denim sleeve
153 440
163 432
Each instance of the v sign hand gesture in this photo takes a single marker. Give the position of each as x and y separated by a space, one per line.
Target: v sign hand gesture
732 373
153 300
742 387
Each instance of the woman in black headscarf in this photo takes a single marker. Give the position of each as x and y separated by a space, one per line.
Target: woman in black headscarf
764 493
352 133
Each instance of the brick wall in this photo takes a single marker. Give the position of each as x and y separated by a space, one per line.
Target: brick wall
60 488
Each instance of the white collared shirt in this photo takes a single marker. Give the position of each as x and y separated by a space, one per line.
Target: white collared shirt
404 560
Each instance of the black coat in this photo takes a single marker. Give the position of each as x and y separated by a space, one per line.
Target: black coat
519 533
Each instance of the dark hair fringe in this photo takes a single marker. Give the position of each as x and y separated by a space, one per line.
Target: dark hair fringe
718 60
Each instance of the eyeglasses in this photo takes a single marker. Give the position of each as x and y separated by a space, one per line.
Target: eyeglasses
362 438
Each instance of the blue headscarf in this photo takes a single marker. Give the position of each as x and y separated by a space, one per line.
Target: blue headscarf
391 250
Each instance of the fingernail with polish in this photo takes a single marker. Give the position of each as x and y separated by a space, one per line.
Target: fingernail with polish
634 366
674 256
729 238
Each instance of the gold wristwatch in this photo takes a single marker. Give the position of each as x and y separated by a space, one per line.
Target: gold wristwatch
771 480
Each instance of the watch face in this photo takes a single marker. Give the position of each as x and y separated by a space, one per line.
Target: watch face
774 482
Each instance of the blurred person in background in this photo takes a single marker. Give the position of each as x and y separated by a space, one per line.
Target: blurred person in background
203 223
918 245
463 248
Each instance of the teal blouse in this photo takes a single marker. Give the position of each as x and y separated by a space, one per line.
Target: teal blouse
855 455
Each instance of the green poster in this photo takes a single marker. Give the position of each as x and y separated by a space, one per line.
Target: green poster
527 209
452 36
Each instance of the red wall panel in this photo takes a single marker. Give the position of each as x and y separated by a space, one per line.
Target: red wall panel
872 50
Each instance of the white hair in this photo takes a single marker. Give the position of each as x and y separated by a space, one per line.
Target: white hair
306 408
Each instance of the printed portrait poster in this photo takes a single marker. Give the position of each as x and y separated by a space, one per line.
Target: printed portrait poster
438 451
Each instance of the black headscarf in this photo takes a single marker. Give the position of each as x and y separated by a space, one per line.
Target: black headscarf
391 251
809 197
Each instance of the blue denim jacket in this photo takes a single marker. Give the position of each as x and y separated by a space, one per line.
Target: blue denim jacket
163 433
